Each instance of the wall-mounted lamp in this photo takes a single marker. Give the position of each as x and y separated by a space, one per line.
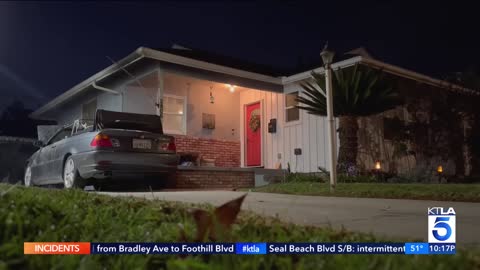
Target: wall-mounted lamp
212 99
378 166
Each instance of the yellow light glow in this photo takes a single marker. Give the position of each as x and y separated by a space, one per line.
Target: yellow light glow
440 169
378 166
180 112
231 87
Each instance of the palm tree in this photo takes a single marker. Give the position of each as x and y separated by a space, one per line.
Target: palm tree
357 91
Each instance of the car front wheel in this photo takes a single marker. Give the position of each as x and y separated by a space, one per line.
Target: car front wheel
71 177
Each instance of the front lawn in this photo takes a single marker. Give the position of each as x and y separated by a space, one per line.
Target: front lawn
41 215
440 192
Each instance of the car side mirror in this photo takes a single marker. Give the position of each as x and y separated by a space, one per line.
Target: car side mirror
39 144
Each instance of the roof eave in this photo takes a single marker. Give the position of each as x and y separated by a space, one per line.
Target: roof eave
129 59
143 52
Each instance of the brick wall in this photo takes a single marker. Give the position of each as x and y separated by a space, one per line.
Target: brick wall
214 178
226 153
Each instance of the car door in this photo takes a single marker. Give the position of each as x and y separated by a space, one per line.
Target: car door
36 165
57 154
49 157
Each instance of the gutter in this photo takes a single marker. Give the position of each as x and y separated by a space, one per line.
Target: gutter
416 76
405 73
94 84
308 74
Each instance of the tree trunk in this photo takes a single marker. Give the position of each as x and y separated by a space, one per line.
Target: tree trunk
348 128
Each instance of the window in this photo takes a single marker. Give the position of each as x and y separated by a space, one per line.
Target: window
292 113
174 114
89 109
64 133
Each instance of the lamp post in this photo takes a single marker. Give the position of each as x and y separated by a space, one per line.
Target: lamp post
327 57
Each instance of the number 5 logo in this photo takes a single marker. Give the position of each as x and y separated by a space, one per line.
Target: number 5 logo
441 223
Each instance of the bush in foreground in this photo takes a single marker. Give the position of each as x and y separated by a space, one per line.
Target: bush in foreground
40 215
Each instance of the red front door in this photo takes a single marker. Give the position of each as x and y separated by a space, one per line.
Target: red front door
253 127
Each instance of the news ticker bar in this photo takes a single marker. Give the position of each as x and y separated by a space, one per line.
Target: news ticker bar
236 248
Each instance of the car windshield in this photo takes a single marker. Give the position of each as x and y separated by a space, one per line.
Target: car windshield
134 121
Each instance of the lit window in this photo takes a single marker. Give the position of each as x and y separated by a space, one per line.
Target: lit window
292 113
174 115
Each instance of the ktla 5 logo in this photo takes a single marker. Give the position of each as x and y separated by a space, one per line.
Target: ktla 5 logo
441 225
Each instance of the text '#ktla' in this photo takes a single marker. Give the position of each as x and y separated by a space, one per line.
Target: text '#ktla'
251 248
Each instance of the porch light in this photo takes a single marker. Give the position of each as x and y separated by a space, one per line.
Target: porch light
378 166
439 169
327 55
231 88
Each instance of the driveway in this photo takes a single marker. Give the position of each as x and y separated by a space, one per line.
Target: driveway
382 217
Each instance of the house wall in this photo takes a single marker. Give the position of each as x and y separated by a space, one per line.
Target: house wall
141 95
309 133
69 112
221 144
225 153
197 93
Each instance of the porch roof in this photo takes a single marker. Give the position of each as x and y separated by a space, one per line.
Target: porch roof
140 55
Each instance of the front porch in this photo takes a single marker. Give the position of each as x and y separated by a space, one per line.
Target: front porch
210 122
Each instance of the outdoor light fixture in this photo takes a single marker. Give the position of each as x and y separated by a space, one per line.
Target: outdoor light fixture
327 57
212 99
378 166
440 169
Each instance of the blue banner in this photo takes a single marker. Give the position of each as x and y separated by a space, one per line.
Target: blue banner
271 248
162 248
336 248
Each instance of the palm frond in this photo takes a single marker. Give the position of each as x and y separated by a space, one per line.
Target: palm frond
357 90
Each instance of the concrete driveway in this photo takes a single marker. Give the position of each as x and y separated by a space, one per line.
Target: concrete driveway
383 217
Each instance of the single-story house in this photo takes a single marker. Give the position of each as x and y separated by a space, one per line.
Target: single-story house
231 113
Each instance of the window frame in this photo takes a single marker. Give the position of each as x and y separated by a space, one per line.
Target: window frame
184 115
292 122
65 129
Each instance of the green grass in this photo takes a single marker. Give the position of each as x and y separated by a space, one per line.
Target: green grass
34 214
441 192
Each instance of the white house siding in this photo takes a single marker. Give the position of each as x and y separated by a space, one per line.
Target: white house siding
309 134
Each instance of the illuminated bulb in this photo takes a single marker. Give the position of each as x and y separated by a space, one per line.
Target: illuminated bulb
440 169
232 89
377 165
180 112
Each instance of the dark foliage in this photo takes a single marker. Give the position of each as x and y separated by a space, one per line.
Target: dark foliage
357 91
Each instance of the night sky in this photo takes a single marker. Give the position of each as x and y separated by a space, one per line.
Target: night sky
46 48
